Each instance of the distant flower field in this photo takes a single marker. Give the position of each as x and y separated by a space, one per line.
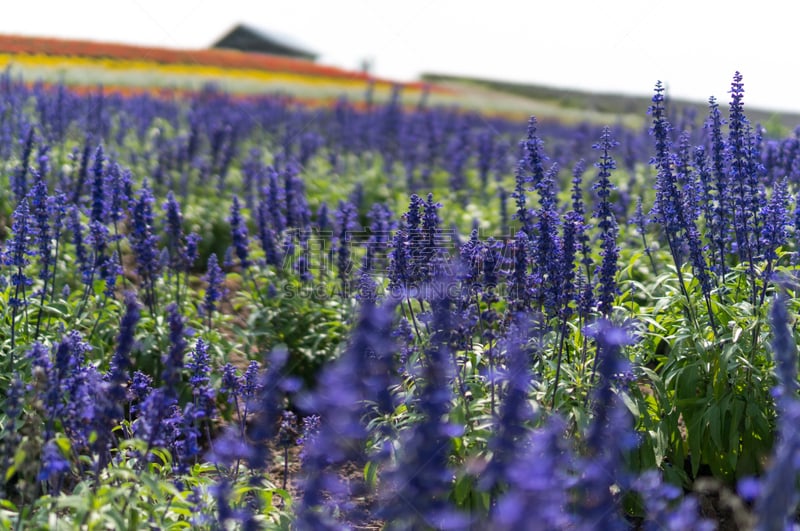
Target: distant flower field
121 67
248 312
135 70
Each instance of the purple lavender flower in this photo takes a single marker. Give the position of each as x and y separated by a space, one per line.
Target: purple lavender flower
534 158
744 170
253 173
471 269
519 279
222 493
515 412
381 226
118 184
231 383
668 207
140 388
455 158
778 496
607 272
144 243
367 367
400 261
491 261
610 339
577 187
662 511
720 222
191 251
783 347
422 473
692 199
267 408
346 222
367 288
539 483
67 386
214 277
308 432
173 228
267 236
609 434
111 269
297 212
566 290
203 394
523 213
160 422
98 208
17 253
120 362
41 213
547 250
83 169
774 230
251 385
173 361
54 464
20 248
239 236
19 179
414 239
429 251
274 202
287 430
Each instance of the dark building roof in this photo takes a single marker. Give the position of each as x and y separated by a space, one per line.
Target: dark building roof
248 39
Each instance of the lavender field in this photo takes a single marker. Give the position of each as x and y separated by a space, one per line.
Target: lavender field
244 313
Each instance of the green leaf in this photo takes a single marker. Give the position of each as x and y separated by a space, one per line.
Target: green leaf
462 489
737 412
695 439
732 458
687 382
716 418
631 405
19 457
74 501
371 474
60 311
116 517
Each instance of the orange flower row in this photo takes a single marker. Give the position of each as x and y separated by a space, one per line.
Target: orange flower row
211 57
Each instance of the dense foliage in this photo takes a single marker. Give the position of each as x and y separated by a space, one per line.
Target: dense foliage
225 312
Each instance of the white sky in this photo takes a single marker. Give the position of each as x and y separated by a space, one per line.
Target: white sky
694 46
